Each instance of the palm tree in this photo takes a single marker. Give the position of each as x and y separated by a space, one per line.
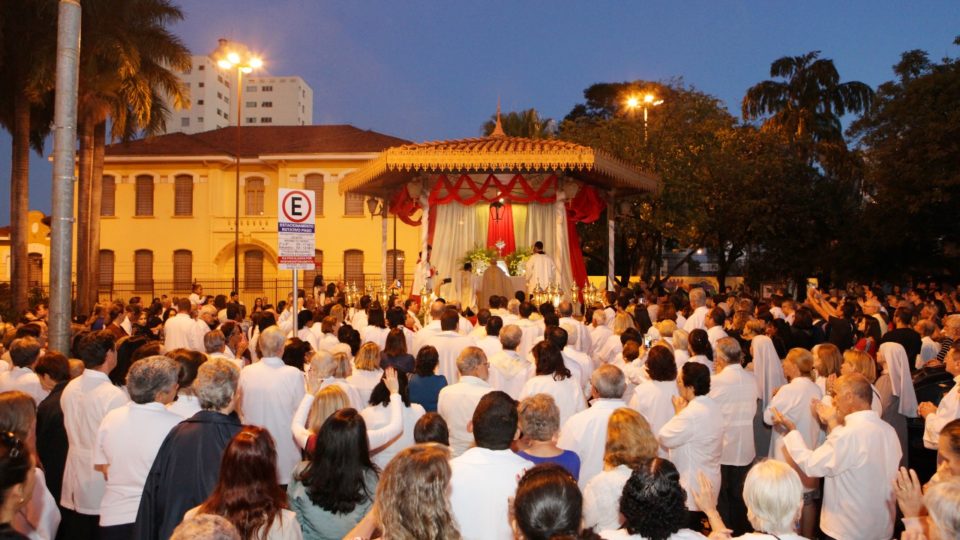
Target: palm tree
27 54
527 124
126 70
808 103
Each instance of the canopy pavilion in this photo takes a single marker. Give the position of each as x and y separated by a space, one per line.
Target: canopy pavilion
500 192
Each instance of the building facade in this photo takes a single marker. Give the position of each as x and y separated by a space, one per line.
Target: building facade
168 206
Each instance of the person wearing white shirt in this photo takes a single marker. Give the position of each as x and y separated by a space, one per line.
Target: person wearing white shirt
457 402
333 370
571 354
360 318
432 328
599 332
513 312
697 319
935 417
532 332
196 295
367 372
694 435
449 345
554 378
928 347
304 329
698 345
508 370
326 333
24 353
412 307
585 433
714 323
182 331
128 440
215 345
269 392
85 401
858 462
735 391
484 478
480 330
582 342
187 403
539 269
489 340
681 347
376 329
653 397
377 416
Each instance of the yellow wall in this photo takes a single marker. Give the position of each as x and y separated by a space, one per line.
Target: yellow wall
38 241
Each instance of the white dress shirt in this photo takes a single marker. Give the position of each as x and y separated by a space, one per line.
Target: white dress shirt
598 338
532 333
378 417
654 401
24 380
353 396
326 342
584 343
714 334
449 345
374 334
696 320
359 320
566 393
694 437
858 462
85 401
509 372
269 393
185 406
128 441
306 334
735 391
490 344
601 499
365 380
183 332
456 404
585 365
424 335
948 410
609 350
482 483
793 401
586 434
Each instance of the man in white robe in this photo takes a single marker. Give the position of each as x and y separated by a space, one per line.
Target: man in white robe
449 344
539 269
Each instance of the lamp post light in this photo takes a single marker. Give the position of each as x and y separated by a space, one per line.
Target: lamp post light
230 56
646 101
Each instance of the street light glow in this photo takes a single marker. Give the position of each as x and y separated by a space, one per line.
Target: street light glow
633 102
648 98
233 57
256 63
224 64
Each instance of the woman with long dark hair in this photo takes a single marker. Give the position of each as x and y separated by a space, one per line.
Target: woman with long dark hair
247 493
698 345
395 352
334 489
553 378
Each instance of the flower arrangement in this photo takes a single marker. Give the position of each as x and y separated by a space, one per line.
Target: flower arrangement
481 258
516 260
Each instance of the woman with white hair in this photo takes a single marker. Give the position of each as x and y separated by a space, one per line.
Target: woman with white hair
773 495
897 395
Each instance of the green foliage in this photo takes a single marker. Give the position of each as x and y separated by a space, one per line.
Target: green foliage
480 258
527 124
516 260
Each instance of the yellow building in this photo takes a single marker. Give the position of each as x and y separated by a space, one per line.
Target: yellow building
168 205
38 250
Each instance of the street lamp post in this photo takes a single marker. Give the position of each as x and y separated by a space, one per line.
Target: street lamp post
648 100
239 58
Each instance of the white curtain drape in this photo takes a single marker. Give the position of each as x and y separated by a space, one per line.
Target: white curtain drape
561 254
455 234
542 226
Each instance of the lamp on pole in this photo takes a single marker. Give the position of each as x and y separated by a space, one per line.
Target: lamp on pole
646 101
233 56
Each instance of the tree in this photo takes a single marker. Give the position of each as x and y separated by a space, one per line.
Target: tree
126 65
807 105
27 53
527 124
910 140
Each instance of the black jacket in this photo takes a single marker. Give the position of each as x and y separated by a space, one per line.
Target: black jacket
52 442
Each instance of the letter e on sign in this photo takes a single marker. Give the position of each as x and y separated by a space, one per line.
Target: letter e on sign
297 206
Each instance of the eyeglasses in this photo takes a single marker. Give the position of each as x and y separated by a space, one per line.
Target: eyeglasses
14 442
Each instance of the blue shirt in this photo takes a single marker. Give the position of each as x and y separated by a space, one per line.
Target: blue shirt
569 460
425 390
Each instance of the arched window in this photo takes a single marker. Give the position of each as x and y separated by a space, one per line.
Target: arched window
395 258
254 193
353 266
35 269
253 270
143 270
315 183
310 275
182 270
107 259
183 195
144 195
108 196
353 204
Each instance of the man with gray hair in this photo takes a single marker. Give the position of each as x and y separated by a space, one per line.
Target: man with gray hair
457 402
582 341
508 370
24 353
128 441
268 395
586 432
430 329
599 332
188 464
215 344
206 527
697 319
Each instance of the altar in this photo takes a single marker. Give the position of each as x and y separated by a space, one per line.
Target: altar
501 193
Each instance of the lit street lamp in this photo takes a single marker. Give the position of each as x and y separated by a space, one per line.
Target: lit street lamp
232 56
648 100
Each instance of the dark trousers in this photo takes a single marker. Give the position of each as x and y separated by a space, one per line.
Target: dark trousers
77 526
117 532
730 504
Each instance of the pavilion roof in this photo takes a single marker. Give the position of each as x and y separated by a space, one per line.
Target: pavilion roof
397 165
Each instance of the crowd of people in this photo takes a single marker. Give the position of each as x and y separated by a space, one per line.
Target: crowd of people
658 414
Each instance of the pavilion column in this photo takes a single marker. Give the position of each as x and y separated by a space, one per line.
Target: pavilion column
561 250
611 241
383 241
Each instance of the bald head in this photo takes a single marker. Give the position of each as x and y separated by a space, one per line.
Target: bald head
436 310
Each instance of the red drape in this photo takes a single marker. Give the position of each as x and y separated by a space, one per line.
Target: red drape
586 207
501 230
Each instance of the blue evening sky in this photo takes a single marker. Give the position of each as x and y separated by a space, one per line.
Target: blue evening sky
432 69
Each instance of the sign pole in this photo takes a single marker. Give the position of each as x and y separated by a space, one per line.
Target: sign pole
295 307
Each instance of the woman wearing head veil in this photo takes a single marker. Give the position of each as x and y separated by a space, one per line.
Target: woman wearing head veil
897 396
769 373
